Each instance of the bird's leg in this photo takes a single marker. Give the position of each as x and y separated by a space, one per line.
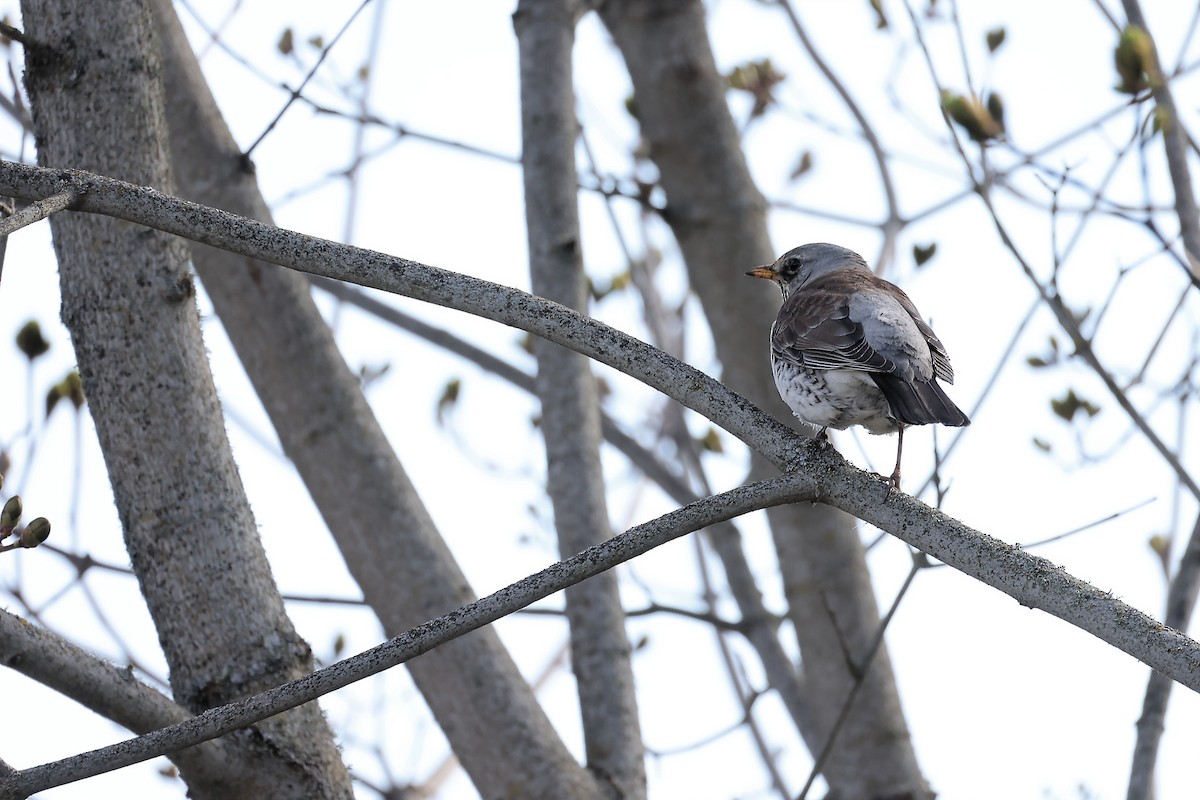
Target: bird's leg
894 481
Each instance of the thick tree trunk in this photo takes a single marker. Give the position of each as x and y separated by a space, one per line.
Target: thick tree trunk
94 80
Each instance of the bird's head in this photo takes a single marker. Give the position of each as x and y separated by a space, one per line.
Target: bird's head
801 265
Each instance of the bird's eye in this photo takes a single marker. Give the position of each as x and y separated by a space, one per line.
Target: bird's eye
792 264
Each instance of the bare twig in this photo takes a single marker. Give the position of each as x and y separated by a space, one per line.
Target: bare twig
1083 348
1053 300
403 131
1001 362
312 72
1088 525
860 676
894 222
16 34
36 212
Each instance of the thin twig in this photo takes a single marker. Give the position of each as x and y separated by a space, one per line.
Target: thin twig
1001 363
1088 525
1065 317
295 95
403 131
860 678
1083 348
16 34
892 225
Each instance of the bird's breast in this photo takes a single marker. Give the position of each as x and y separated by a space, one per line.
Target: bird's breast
833 398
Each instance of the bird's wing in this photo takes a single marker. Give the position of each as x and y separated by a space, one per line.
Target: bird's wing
814 330
941 359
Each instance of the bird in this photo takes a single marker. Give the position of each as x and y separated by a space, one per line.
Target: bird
849 348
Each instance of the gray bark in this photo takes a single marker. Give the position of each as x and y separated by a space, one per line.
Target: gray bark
128 300
719 219
391 546
600 650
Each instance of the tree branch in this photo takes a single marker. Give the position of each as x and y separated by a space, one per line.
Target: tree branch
759 626
117 695
35 212
1181 600
1033 581
421 639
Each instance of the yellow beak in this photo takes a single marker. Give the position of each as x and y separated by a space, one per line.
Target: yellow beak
764 272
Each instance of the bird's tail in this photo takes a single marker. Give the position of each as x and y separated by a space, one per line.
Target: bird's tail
919 402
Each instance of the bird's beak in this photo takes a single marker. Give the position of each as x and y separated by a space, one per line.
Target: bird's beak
764 272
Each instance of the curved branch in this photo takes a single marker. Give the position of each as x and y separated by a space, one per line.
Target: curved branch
368 268
1033 581
421 639
758 624
115 694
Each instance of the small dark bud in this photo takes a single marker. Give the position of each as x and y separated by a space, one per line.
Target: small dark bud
972 116
922 253
803 165
35 532
995 38
11 513
30 340
449 399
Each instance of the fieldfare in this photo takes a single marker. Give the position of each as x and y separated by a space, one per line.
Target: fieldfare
849 348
